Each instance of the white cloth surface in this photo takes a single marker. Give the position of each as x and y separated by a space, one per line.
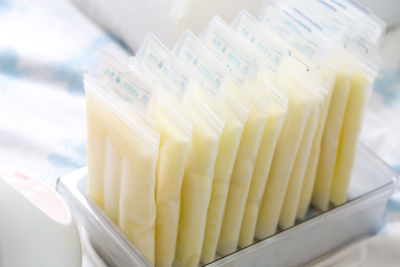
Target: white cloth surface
46 46
379 250
131 20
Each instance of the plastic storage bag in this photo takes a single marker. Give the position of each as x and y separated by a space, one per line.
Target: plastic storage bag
118 128
175 139
300 104
293 192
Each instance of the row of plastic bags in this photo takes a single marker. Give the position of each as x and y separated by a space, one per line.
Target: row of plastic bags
199 151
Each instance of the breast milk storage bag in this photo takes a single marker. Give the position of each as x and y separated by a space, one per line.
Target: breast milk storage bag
271 55
122 150
233 52
301 108
199 167
154 61
212 85
317 115
309 178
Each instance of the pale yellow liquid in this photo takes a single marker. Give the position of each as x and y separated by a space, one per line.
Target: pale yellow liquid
172 156
289 208
112 177
330 142
348 141
299 107
227 151
240 181
275 120
137 209
196 192
95 159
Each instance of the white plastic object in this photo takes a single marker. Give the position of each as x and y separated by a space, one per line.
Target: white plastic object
132 20
36 225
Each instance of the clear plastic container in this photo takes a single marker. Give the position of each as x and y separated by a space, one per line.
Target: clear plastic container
372 184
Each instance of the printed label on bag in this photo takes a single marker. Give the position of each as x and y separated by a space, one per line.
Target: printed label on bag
241 67
322 17
285 23
273 51
341 20
161 63
210 76
124 83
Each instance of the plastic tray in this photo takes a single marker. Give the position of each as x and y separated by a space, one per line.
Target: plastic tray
371 186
